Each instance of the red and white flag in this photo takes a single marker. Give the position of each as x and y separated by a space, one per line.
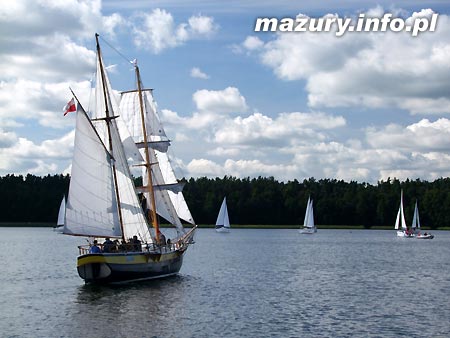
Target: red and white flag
70 107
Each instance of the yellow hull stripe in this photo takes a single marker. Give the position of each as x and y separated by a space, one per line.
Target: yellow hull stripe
126 259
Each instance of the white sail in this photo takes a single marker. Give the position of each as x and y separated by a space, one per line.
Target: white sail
61 213
400 220
170 202
309 215
133 219
416 220
124 148
104 133
222 218
98 114
310 223
306 219
91 208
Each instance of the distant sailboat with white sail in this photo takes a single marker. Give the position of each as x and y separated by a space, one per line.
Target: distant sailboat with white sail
400 223
415 227
61 214
308 224
223 222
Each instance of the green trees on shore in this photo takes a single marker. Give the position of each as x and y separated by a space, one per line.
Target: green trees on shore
261 200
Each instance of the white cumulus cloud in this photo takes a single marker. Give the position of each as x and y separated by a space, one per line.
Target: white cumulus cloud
363 69
157 30
197 73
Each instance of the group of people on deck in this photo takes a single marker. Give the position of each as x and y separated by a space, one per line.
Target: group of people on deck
134 245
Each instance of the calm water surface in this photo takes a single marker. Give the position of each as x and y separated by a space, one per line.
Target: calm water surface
248 283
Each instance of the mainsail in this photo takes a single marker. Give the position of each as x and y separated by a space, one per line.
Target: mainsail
416 220
309 215
400 220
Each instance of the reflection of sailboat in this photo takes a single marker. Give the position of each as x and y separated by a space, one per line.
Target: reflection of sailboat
223 222
308 224
61 214
400 221
103 201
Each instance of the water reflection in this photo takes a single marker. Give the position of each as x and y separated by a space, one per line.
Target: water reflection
150 308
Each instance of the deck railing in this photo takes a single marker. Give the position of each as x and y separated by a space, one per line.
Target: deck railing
129 247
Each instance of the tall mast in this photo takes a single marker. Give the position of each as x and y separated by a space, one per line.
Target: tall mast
148 165
108 121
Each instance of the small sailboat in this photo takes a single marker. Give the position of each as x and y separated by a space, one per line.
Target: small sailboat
223 222
103 201
415 227
308 224
61 214
400 221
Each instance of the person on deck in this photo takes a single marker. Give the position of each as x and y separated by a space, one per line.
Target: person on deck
136 244
162 239
94 248
108 245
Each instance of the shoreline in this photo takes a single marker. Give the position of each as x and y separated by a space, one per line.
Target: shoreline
233 226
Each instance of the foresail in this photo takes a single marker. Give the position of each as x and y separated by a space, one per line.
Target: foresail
400 220
402 214
91 208
397 220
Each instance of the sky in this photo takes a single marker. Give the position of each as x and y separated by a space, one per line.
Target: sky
365 106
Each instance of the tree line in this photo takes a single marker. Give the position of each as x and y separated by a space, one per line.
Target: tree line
260 201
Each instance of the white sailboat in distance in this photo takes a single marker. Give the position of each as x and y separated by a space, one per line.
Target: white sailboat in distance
223 222
308 224
61 215
416 226
400 223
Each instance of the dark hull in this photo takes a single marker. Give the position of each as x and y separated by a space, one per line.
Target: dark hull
107 268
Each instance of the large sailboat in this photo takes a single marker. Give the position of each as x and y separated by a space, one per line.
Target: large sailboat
104 203
223 222
400 223
308 224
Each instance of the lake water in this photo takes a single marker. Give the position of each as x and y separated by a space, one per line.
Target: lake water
248 283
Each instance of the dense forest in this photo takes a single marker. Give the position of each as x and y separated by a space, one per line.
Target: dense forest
261 201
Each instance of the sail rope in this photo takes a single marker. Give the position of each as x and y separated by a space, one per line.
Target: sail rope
117 51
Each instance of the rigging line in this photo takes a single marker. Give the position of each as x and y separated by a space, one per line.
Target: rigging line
117 51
